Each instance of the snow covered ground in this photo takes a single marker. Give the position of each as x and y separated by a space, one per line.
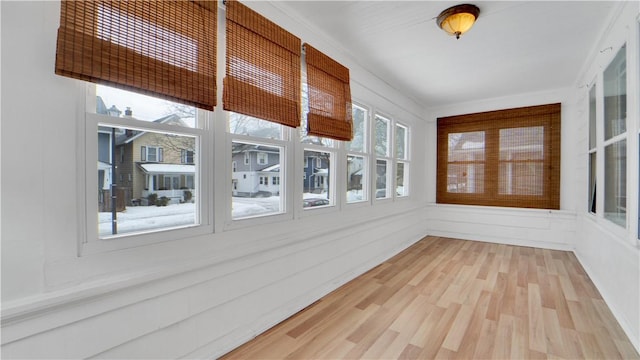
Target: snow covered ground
143 218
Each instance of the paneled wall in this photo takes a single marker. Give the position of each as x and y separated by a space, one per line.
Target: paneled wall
190 297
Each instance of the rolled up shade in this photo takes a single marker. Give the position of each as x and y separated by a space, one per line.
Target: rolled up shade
329 97
165 49
262 67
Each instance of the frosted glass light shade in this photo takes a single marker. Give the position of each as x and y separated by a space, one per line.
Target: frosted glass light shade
458 19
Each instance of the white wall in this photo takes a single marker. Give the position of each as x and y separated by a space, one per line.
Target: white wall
553 229
611 254
190 297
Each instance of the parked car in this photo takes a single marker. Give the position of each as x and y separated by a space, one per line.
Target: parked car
315 202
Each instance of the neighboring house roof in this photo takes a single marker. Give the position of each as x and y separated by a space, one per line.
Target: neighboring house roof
272 168
240 148
101 108
168 168
169 119
103 165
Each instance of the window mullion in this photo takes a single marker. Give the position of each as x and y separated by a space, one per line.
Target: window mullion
492 163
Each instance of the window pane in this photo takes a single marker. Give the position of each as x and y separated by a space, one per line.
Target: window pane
592 183
465 178
615 182
359 132
356 175
148 195
615 96
381 179
592 117
401 142
402 179
467 146
316 177
519 173
382 136
247 125
253 194
121 103
525 143
523 178
304 137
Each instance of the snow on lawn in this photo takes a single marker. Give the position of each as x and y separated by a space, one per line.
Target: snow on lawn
246 207
140 218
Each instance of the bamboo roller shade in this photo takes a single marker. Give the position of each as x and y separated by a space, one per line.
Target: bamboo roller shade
501 158
329 97
161 48
262 67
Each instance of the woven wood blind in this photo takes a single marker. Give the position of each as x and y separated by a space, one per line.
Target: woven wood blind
501 158
165 49
329 97
263 68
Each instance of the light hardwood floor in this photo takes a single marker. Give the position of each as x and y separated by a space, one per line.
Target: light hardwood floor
448 298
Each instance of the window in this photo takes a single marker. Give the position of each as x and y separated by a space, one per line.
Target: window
357 157
383 161
151 153
402 160
257 151
501 158
317 179
592 150
615 139
262 158
187 156
154 189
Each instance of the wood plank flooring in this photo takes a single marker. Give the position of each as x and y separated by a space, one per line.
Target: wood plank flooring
447 298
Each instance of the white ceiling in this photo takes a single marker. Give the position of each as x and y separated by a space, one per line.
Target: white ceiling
515 47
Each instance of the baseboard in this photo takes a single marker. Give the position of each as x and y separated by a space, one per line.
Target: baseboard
624 323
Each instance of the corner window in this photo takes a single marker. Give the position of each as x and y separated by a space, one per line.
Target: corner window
592 150
402 160
615 139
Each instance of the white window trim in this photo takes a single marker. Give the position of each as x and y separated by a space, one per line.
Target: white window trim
285 164
366 155
88 122
406 160
334 201
388 157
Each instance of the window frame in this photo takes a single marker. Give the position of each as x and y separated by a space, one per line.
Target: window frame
490 123
284 143
615 139
388 157
405 161
364 154
89 122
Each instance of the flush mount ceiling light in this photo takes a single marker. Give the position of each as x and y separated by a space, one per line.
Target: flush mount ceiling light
458 19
